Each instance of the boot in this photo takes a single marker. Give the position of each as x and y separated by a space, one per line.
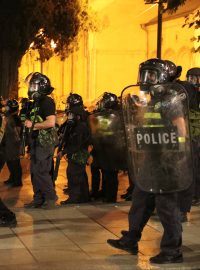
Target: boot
162 258
8 221
124 245
49 205
184 217
33 204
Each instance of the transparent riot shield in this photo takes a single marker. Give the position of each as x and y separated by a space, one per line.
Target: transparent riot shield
157 135
108 138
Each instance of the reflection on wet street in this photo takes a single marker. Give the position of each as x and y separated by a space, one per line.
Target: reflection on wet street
74 236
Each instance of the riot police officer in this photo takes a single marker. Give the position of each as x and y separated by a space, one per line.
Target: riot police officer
186 199
2 130
109 146
43 140
108 102
7 217
73 101
12 142
193 77
75 147
161 167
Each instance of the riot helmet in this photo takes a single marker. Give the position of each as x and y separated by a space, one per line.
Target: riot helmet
156 71
74 100
173 71
193 76
108 101
12 106
38 85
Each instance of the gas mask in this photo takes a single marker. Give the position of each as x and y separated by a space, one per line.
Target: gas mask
33 93
71 119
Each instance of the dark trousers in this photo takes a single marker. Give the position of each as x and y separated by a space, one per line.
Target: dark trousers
131 183
2 163
98 182
5 212
193 191
41 163
185 198
15 170
2 157
52 171
196 166
168 212
78 188
110 178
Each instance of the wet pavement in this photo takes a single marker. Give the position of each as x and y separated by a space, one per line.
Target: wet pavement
74 237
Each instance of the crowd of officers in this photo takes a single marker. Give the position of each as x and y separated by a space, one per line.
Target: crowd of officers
33 129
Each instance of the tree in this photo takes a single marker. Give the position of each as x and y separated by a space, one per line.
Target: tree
193 20
36 23
163 5
168 5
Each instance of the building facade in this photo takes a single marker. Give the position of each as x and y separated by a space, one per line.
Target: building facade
108 60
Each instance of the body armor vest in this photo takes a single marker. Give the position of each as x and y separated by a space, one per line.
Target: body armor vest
46 137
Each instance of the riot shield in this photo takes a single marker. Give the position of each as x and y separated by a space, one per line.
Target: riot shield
108 138
158 138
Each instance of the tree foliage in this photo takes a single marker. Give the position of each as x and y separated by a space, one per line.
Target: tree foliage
23 22
167 5
60 27
50 26
193 21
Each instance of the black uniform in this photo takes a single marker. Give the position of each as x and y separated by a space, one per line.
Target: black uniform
76 143
193 192
109 151
110 185
12 144
2 148
97 186
168 212
7 217
166 204
194 104
41 157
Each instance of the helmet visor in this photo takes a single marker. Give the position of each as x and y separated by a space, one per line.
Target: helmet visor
33 90
149 77
193 79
